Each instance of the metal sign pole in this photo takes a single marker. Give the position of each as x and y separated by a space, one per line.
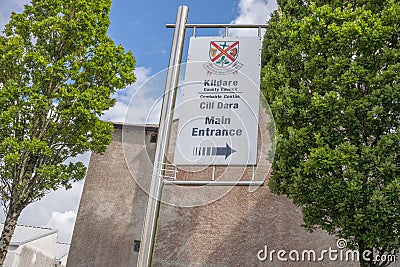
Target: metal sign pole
166 118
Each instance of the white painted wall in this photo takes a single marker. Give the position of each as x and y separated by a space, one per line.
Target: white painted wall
9 258
45 244
37 253
29 256
63 261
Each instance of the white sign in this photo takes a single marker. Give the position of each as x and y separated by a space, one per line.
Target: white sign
218 123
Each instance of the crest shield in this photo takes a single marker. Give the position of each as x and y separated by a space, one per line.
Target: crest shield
223 53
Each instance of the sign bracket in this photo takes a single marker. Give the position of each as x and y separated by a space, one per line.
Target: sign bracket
214 183
223 26
171 171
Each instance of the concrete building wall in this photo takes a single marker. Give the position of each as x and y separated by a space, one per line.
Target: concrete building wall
111 211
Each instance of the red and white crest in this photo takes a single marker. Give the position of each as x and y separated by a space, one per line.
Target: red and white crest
224 53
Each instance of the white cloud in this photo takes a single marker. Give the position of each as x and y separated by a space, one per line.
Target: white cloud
64 222
141 102
61 201
40 213
84 158
252 12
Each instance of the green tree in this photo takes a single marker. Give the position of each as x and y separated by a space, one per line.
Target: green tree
331 72
58 69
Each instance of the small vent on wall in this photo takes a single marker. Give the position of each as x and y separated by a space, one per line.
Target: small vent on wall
136 245
153 138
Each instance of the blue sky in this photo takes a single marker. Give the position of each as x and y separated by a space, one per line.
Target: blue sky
147 36
140 27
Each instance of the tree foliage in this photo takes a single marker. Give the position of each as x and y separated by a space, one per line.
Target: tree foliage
331 76
58 69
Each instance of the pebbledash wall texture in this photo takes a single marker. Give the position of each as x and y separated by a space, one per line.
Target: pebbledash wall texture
198 226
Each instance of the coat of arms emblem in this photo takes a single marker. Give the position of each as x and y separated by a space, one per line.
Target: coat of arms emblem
223 58
223 54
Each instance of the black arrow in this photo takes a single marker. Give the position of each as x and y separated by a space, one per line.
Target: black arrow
214 151
227 151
